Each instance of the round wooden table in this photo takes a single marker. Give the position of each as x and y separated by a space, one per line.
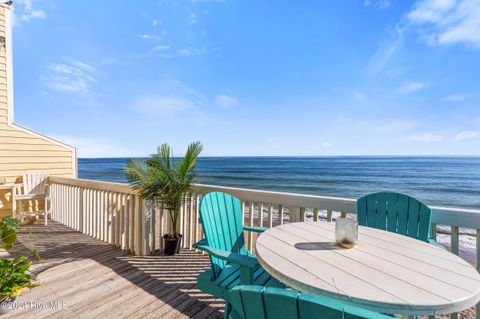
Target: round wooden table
385 272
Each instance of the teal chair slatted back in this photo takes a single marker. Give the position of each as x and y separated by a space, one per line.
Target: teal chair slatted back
395 212
258 302
221 218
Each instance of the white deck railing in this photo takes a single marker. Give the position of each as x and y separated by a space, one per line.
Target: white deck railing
112 212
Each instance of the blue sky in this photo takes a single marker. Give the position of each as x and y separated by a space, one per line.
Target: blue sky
378 77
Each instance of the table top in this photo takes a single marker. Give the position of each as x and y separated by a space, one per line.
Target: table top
385 272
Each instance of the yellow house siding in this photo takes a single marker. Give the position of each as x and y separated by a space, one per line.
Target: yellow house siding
21 151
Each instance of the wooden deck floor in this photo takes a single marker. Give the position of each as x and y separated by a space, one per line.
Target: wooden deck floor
82 277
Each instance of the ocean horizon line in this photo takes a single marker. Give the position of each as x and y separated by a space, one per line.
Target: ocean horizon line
301 156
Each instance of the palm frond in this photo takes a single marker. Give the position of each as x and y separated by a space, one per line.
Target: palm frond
189 160
137 171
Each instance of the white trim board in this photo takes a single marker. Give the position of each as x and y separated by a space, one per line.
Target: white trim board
9 64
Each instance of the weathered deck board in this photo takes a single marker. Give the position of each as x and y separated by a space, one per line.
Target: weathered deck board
96 280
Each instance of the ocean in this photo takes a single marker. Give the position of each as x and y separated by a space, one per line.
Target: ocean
439 181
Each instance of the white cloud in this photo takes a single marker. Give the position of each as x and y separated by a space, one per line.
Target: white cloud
425 138
359 96
166 107
96 147
225 101
164 51
446 22
186 106
387 50
148 37
466 135
411 87
72 77
184 52
160 51
155 22
27 10
192 18
327 144
160 47
379 4
431 10
455 97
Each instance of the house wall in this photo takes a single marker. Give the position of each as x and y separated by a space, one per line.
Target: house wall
21 149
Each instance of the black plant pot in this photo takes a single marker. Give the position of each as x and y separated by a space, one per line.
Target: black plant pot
171 246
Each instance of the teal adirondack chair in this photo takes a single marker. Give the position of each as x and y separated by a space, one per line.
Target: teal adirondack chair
257 302
395 212
231 263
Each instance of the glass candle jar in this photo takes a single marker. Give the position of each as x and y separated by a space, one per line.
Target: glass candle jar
346 232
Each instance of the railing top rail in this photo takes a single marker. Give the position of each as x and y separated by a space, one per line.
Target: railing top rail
347 205
92 184
469 218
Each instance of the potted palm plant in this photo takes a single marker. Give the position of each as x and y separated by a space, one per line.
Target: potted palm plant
166 179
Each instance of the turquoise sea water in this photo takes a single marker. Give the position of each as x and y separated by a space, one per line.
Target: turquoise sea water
442 181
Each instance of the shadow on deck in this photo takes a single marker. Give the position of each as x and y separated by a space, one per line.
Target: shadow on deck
83 277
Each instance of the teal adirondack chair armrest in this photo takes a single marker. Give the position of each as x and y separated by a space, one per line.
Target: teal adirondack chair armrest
247 264
434 242
255 229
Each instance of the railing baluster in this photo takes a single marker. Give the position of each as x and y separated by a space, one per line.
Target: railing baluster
454 239
88 203
118 220
294 214
191 221
95 213
250 223
433 231
99 207
153 226
280 213
329 215
242 205
197 216
145 249
270 215
113 218
181 221
303 213
260 214
131 216
100 217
